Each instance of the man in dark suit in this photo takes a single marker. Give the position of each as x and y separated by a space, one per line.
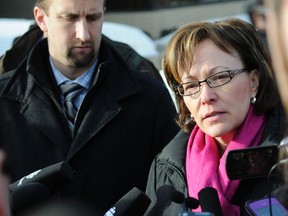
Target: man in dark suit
75 98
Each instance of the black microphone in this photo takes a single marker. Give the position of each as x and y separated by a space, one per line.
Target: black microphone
27 195
209 201
192 203
54 177
187 203
135 202
177 197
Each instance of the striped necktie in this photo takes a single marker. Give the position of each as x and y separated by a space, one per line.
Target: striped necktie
70 92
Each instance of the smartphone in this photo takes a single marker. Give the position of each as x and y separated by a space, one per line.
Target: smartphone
261 207
252 162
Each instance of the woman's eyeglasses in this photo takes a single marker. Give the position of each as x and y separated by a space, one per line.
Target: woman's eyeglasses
216 80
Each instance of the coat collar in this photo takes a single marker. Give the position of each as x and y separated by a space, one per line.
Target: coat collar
175 152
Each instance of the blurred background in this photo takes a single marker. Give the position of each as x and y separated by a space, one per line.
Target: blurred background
146 25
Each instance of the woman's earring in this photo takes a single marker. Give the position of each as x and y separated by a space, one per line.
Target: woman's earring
191 117
253 100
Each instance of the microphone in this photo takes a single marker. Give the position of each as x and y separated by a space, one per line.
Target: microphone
54 177
39 185
187 203
135 202
178 197
192 203
27 195
209 201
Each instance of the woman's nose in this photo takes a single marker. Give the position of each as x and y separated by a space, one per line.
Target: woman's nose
207 94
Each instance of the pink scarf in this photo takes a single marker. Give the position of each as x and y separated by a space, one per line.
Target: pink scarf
205 167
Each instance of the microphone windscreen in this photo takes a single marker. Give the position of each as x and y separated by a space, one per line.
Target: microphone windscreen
27 195
135 202
177 197
209 201
192 203
54 177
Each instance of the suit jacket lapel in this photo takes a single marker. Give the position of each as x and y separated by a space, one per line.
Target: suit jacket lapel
96 117
102 105
42 115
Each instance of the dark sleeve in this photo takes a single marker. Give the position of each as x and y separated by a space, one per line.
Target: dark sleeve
151 191
159 189
20 49
162 181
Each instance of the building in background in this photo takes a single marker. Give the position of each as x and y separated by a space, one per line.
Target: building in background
156 17
159 17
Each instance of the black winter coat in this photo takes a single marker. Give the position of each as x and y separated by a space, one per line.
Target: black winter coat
126 118
167 172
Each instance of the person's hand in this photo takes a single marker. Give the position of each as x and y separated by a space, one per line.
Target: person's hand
4 201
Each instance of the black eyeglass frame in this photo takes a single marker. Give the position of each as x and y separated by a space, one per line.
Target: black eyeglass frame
231 73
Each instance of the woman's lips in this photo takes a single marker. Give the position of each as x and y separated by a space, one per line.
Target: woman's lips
214 114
